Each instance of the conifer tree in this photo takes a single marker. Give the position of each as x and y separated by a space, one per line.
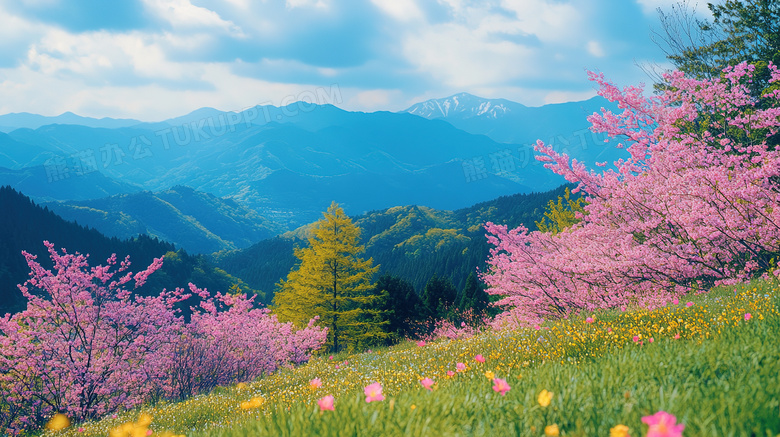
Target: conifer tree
473 296
331 281
439 296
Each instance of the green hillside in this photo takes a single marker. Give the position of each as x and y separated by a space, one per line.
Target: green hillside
413 242
195 221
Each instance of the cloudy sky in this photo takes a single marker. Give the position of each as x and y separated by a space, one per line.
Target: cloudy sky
155 59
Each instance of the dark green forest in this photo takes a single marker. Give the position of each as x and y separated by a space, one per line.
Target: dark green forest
25 225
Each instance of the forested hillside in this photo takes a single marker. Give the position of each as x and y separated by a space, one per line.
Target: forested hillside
413 242
25 225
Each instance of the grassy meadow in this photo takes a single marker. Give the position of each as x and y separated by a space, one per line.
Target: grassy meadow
712 360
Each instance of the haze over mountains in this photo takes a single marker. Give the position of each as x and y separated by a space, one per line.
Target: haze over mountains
279 167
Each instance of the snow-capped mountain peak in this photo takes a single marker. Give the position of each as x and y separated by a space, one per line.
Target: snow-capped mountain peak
462 106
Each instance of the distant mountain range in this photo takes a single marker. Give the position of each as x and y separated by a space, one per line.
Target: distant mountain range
13 121
287 164
563 124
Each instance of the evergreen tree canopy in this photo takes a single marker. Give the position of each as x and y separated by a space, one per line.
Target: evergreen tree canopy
439 296
331 281
402 305
473 296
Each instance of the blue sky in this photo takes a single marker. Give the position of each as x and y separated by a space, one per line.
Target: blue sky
155 59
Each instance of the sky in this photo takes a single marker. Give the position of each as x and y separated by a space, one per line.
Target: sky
155 59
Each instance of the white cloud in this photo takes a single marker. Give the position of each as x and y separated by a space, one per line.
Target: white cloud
568 96
306 3
559 23
373 100
459 57
401 10
595 49
184 15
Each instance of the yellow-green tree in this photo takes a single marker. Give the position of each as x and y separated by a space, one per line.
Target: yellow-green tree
560 216
332 281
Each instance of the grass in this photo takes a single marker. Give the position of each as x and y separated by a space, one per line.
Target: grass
719 377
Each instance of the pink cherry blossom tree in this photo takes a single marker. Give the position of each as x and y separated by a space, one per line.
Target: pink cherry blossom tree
87 345
695 204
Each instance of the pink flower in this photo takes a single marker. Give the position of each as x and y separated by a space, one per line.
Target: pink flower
330 357
663 424
609 329
462 324
677 336
421 343
589 320
636 338
81 429
326 403
148 432
427 383
373 392
500 386
460 367
689 304
676 301
651 340
537 327
346 363
748 316
450 373
315 383
113 416
337 366
479 358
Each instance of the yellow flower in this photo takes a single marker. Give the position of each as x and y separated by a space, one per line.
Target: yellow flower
144 419
544 398
551 431
58 422
252 403
490 375
619 431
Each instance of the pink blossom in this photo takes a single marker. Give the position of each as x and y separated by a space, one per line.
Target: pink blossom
479 358
315 383
427 383
689 304
460 367
677 336
589 320
132 344
450 373
421 343
650 340
676 301
326 403
500 386
748 316
373 392
663 424
636 338
683 207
